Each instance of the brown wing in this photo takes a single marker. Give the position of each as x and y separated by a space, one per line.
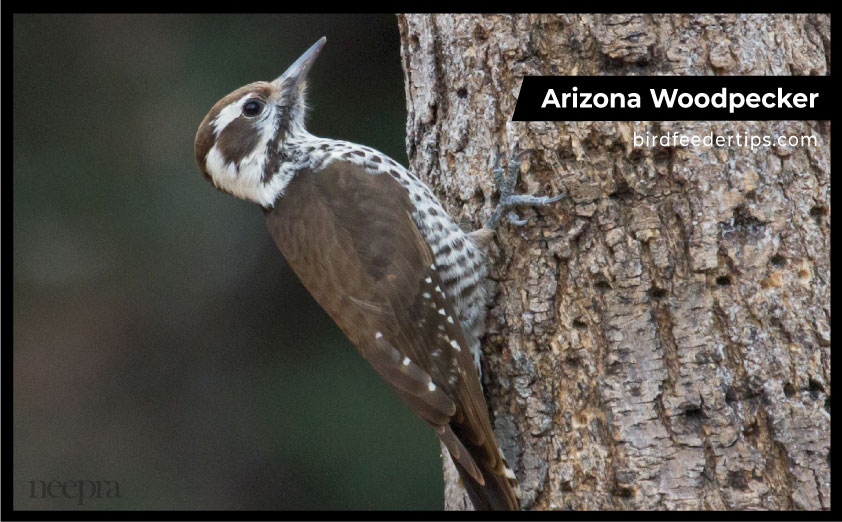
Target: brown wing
350 237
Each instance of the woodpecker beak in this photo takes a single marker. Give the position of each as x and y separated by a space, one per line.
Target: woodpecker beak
297 72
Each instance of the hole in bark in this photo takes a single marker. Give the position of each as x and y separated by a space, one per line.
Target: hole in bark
663 154
743 225
578 323
693 411
657 293
565 154
617 146
738 480
743 218
480 33
818 211
602 284
789 390
815 388
623 191
612 64
723 280
731 395
623 492
778 260
462 92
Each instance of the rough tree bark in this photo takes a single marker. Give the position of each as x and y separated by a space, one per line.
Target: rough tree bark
660 339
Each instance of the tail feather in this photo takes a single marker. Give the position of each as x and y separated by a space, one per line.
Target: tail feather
460 454
491 484
500 493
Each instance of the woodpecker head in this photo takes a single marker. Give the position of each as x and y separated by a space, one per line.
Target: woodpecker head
240 143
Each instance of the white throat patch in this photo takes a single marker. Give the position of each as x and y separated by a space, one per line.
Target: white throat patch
244 179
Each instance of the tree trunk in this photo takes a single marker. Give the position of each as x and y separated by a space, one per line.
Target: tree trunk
660 338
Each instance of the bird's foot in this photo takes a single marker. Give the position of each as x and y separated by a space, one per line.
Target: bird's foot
506 179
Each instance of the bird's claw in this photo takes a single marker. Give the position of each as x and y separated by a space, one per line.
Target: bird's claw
506 179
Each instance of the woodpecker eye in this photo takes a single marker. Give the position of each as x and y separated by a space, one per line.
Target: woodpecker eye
252 108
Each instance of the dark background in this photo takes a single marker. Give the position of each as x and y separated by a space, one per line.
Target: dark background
159 338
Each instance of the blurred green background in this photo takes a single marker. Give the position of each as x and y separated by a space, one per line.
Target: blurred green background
160 340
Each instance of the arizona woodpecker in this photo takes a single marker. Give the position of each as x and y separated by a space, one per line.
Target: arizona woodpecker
373 245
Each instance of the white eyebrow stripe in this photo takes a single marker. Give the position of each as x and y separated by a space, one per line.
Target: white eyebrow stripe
228 114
